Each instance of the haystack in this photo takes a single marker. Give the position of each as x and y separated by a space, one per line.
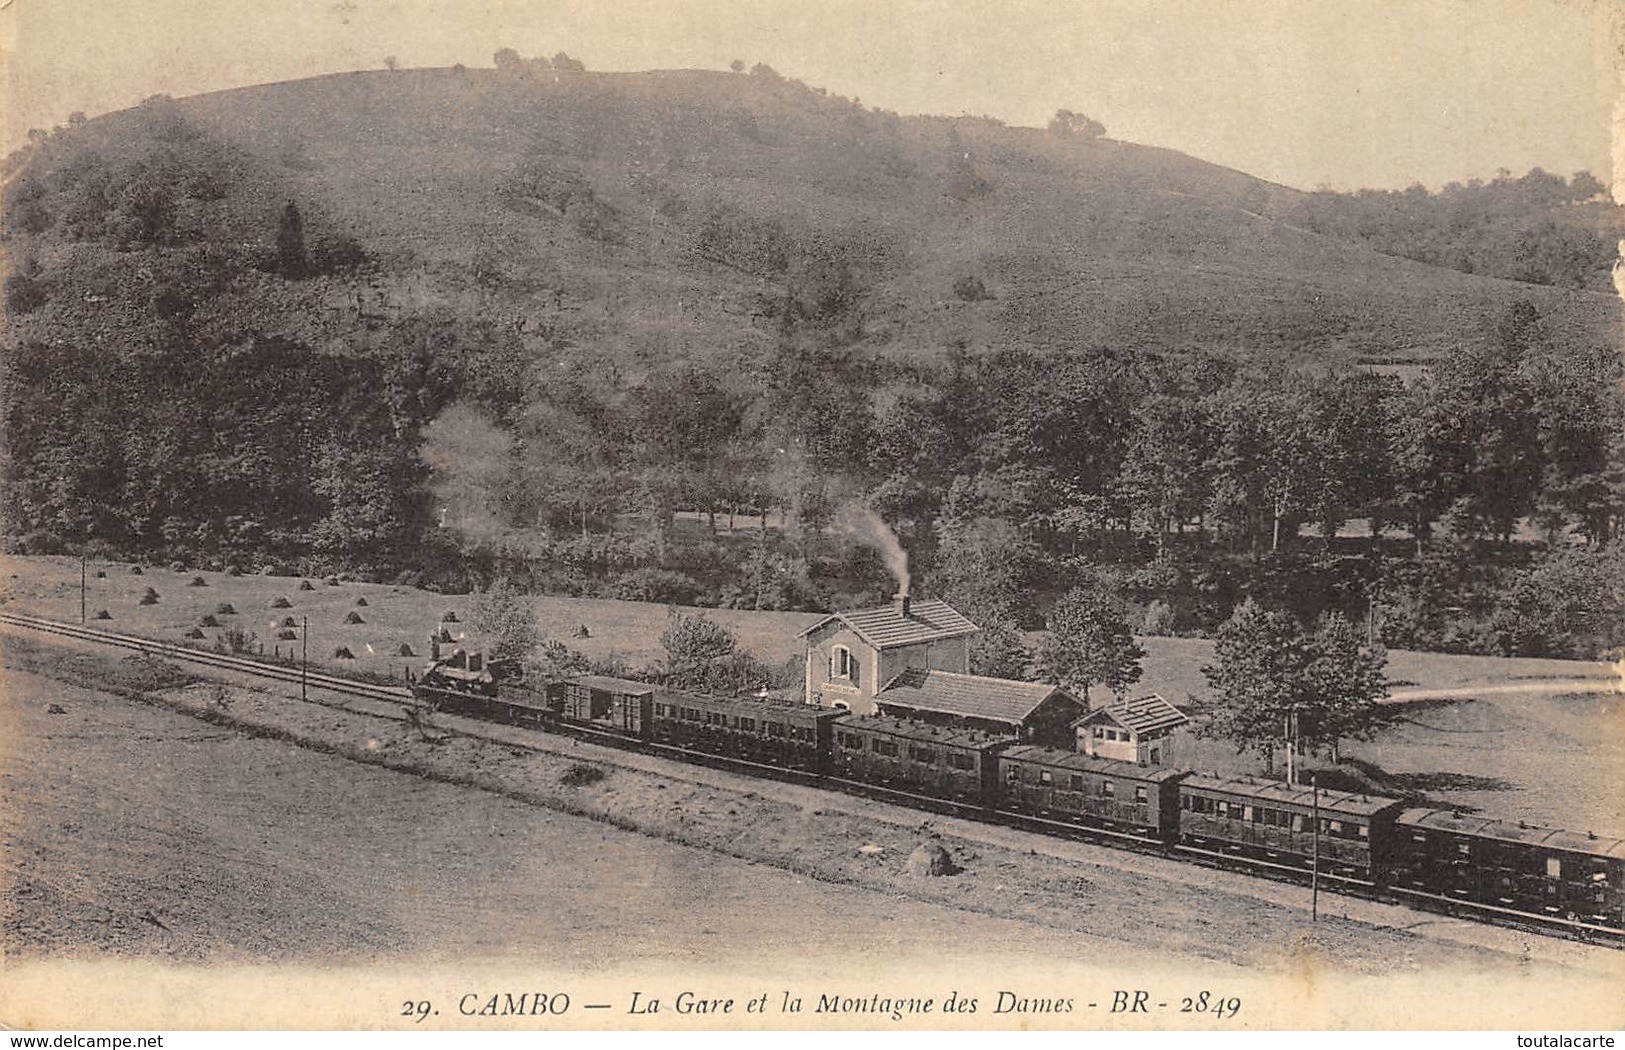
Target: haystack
208 621
361 602
101 574
150 598
281 602
102 614
194 633
450 617
405 650
287 636
225 609
288 621
354 617
343 653
135 570
306 585
198 581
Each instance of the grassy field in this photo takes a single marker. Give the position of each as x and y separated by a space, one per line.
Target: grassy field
1511 752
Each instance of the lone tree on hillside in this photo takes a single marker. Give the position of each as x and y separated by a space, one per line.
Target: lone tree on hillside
1075 125
505 618
1089 643
1276 685
507 60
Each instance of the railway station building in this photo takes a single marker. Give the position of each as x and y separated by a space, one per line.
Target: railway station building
852 655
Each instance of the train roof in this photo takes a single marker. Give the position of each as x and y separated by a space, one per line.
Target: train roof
949 736
608 684
755 706
1083 763
1505 831
1281 793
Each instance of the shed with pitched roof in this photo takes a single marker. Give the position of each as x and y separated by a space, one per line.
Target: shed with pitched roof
1130 730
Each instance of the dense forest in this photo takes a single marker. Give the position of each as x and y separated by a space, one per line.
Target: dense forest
1539 229
176 387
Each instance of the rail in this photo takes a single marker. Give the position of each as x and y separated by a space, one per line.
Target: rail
220 661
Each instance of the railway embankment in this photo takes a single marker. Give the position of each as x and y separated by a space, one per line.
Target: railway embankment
1142 903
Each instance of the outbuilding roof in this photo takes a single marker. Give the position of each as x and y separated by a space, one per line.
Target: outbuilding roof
904 729
1143 714
967 695
928 620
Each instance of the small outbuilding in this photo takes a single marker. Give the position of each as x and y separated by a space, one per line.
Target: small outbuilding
1131 730
1031 712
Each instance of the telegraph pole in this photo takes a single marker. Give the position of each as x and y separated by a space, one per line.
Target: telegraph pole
84 566
304 659
1314 870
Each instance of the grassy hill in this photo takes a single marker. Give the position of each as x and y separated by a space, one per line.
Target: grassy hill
642 217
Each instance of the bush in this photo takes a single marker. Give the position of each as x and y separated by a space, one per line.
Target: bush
654 585
581 775
971 289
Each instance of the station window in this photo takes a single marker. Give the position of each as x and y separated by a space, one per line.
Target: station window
841 664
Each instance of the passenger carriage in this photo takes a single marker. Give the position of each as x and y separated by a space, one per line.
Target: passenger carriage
1066 785
946 762
1274 821
770 732
1543 871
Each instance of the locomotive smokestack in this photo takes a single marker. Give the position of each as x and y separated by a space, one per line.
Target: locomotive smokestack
899 602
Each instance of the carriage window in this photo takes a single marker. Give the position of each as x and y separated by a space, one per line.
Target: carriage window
1012 774
886 747
748 724
1076 783
1554 868
1044 777
1365 831
1463 848
1108 789
1247 814
1222 807
1139 794
959 760
1185 802
1335 827
921 754
1297 822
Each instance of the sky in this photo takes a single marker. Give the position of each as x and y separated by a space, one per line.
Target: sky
1308 93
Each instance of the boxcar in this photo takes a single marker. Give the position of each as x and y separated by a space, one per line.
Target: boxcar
1532 869
772 732
611 703
1066 785
940 761
1272 820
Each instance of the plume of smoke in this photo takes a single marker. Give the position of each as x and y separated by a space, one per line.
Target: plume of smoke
864 525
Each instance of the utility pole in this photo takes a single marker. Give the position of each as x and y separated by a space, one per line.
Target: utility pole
304 659
1314 861
1291 729
84 567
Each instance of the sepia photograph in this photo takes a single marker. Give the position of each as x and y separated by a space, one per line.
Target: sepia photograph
681 515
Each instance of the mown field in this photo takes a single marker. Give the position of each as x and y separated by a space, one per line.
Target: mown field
1522 739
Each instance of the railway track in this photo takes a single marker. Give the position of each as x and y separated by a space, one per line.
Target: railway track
1035 823
206 658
